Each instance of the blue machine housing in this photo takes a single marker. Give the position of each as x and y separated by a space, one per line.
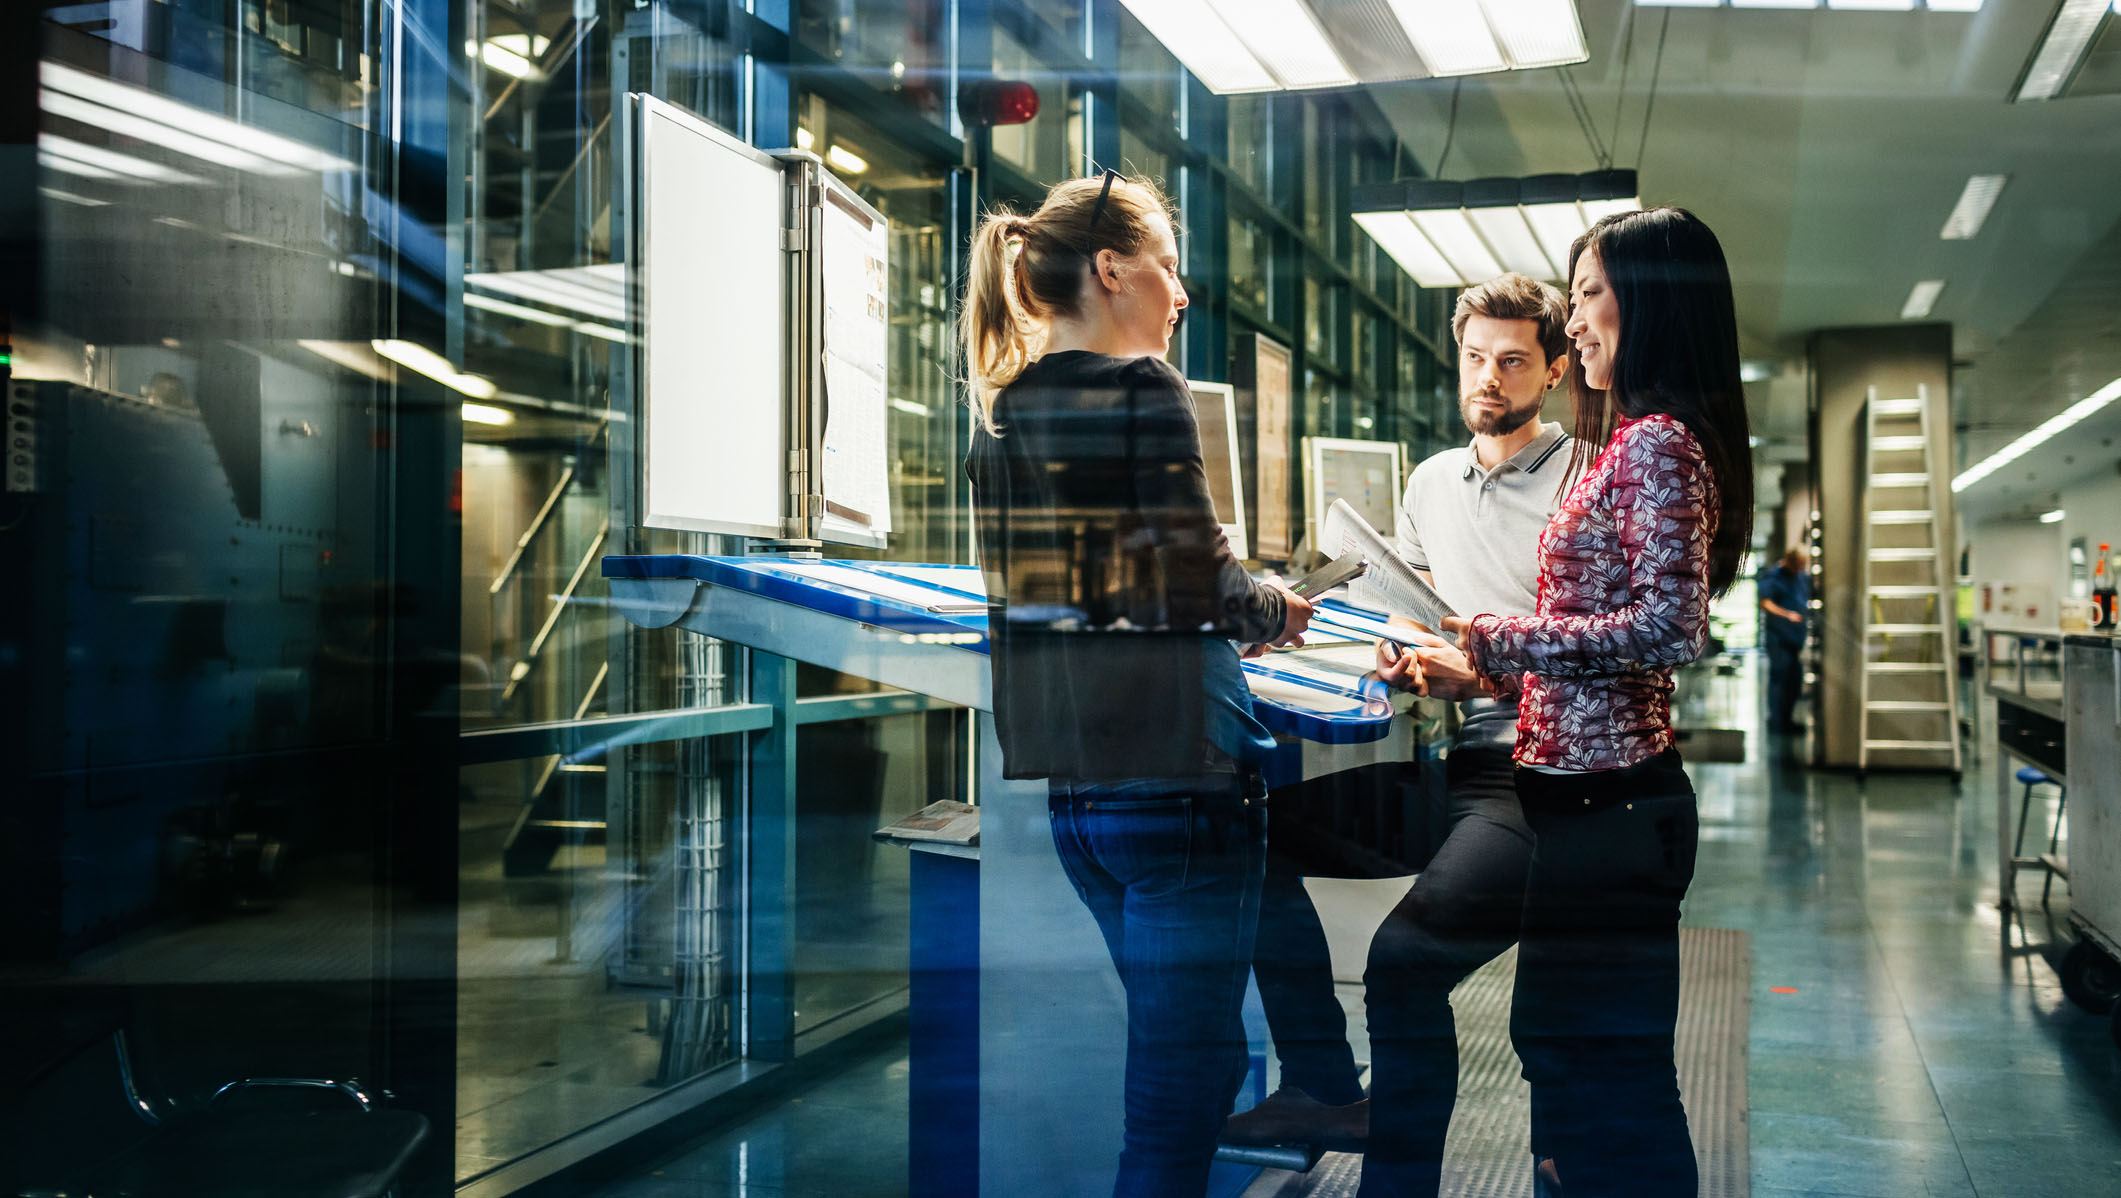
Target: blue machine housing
1337 713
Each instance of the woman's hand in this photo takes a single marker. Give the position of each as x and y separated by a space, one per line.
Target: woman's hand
1449 675
1296 615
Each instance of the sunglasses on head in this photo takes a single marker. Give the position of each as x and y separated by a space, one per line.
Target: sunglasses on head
1104 193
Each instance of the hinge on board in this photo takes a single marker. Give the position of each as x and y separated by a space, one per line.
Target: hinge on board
795 241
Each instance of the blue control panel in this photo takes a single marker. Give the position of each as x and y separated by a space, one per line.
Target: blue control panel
924 628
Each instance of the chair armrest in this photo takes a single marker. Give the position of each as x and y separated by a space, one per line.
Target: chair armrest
353 1090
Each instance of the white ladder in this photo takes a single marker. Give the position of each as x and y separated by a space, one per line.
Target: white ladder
1916 608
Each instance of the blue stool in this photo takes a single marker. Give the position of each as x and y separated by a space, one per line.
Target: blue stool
2031 777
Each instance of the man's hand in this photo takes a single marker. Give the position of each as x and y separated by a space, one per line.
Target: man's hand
1400 669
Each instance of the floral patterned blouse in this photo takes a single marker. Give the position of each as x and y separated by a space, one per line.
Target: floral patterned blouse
1623 598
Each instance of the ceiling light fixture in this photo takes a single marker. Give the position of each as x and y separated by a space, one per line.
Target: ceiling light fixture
1921 298
479 413
1448 234
842 158
187 119
155 133
595 291
2062 47
418 357
95 162
1271 45
1975 200
1840 5
2054 517
2048 429
501 59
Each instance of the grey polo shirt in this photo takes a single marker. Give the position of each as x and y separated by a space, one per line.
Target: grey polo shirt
1477 531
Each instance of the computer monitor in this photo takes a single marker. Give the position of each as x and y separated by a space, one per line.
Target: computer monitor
1365 473
1215 410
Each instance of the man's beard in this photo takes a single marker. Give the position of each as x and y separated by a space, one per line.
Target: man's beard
1494 424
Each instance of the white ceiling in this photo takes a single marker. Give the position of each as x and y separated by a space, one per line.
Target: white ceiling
1826 148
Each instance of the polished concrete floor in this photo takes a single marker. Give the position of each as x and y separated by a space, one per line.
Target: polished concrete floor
1904 1041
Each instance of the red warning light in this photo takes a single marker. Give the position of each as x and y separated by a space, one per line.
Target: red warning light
997 102
1782 989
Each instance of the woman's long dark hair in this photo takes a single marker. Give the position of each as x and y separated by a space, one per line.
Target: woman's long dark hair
1678 355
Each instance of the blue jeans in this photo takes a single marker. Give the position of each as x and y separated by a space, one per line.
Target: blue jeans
1173 881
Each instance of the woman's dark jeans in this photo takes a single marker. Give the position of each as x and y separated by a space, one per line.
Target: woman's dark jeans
1173 881
1598 975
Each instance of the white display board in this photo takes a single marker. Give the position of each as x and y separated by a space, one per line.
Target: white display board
1215 410
855 476
1365 473
712 327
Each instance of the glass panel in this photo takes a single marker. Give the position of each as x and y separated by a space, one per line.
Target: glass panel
903 43
1141 161
927 423
852 899
1040 147
1251 140
1251 265
1148 71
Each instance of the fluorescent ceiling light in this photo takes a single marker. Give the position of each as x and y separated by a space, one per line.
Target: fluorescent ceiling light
910 408
1680 3
481 413
1505 231
594 291
1975 200
487 303
1755 370
1871 5
353 355
73 154
2062 49
842 158
1536 33
1286 39
2054 517
804 138
1451 36
501 59
1453 235
188 119
1396 234
1196 35
435 366
1467 233
53 193
154 133
1921 298
1557 226
593 329
2039 436
1774 3
524 45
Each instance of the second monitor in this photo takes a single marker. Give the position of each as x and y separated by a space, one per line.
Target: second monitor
1365 473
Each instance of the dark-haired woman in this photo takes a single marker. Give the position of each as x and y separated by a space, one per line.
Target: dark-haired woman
1116 602
1653 531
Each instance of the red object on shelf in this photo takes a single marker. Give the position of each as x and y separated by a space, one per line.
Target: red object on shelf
997 102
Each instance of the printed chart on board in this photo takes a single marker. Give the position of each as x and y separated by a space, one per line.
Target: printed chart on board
856 473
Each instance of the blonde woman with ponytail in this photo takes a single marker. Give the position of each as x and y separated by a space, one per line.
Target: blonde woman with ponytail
1117 607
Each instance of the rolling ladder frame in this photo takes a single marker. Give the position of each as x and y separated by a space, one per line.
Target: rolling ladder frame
1944 613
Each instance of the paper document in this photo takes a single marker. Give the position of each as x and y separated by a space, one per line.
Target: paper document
1389 575
947 821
